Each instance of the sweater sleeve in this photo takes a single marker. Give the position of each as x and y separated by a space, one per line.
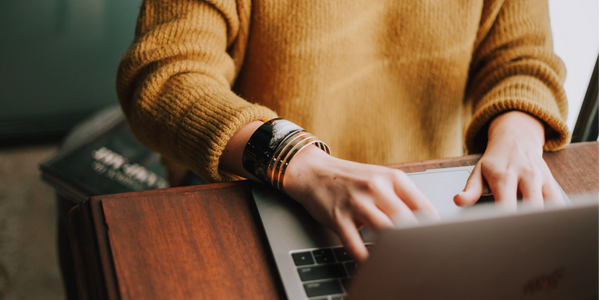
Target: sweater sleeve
514 68
174 82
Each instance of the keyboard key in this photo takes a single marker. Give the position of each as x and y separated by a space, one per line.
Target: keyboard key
322 272
352 267
341 254
324 256
302 259
486 199
323 288
345 283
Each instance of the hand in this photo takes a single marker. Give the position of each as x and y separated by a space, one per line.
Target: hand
345 195
512 165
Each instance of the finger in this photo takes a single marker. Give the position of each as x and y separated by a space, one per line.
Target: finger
352 241
412 197
393 207
551 193
473 189
531 191
399 213
550 190
373 218
504 189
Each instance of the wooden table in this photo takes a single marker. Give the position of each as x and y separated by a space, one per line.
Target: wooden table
206 242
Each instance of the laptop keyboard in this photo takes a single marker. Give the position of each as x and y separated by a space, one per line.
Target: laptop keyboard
325 273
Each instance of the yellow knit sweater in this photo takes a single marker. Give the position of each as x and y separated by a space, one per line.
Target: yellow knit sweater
380 81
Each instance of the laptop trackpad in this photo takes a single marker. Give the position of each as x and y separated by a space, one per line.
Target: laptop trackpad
440 187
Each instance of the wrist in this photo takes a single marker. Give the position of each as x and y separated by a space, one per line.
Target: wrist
272 147
231 158
307 164
516 125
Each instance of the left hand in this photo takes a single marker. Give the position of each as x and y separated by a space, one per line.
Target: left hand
512 166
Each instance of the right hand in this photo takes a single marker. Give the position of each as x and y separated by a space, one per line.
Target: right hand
345 195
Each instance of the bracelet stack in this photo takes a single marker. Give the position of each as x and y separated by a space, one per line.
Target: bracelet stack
271 148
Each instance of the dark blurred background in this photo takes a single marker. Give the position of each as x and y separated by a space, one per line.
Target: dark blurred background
58 61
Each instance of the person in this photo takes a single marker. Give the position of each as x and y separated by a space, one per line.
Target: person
379 82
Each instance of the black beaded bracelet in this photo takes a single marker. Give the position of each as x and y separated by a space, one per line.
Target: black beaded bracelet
272 146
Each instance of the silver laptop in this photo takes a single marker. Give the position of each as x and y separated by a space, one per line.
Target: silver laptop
473 253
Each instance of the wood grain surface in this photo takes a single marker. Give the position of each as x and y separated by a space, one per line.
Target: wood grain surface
193 247
205 242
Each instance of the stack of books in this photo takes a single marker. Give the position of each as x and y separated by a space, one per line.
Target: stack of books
108 161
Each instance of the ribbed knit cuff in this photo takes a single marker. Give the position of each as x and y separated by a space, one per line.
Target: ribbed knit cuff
522 93
208 126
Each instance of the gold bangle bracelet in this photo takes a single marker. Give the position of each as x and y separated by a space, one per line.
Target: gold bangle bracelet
289 151
285 165
281 152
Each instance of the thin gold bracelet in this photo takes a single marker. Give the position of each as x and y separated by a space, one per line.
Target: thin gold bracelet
281 152
290 150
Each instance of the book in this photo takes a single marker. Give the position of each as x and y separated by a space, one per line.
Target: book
108 161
